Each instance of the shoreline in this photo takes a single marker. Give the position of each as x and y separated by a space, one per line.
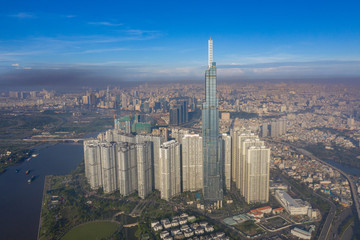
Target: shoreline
46 184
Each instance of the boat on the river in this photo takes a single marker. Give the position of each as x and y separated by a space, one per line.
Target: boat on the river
31 179
27 172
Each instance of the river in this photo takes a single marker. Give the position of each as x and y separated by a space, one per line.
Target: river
346 168
20 202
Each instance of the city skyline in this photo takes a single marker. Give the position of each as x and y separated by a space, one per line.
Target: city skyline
109 128
131 41
288 118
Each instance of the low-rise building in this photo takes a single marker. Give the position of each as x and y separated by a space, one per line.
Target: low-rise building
302 234
292 206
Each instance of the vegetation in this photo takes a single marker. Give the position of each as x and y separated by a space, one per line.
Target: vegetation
249 228
18 155
94 124
245 115
337 154
345 225
92 230
16 126
69 202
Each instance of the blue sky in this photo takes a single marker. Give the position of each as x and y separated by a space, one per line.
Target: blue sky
168 39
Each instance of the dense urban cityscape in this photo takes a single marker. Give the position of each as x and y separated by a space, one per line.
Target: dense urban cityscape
231 161
167 120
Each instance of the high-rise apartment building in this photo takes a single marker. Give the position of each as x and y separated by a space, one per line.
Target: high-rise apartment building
234 152
265 130
145 183
170 169
245 144
227 154
256 187
238 137
277 128
93 163
155 154
179 113
126 161
120 161
178 134
192 162
213 164
108 170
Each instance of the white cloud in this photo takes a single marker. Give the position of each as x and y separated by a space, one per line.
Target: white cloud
106 23
230 71
90 51
22 53
140 32
15 64
22 15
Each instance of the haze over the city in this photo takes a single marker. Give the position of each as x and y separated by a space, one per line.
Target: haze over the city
44 43
167 120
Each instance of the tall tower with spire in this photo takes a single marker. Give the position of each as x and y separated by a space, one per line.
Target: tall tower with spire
213 162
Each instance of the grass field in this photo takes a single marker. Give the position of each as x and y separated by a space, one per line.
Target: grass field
91 231
249 228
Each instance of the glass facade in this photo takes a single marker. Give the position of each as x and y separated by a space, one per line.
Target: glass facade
213 183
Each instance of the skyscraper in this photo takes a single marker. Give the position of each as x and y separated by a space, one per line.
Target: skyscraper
192 162
244 144
256 187
213 164
145 184
226 141
170 169
155 155
93 163
126 163
108 170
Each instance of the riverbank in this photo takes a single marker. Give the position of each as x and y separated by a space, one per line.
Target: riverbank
46 187
20 203
69 203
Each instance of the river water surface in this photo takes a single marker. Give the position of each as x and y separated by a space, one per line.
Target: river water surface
346 168
20 202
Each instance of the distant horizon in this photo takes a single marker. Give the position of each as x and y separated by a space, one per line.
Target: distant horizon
140 41
78 82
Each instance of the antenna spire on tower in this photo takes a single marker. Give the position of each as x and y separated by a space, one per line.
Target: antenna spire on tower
210 52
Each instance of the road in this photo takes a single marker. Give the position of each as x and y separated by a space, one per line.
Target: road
352 185
330 217
327 225
338 222
324 234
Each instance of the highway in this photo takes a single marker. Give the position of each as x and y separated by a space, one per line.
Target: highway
328 222
352 185
330 217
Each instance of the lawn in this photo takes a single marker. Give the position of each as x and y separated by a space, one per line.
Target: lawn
249 228
92 230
